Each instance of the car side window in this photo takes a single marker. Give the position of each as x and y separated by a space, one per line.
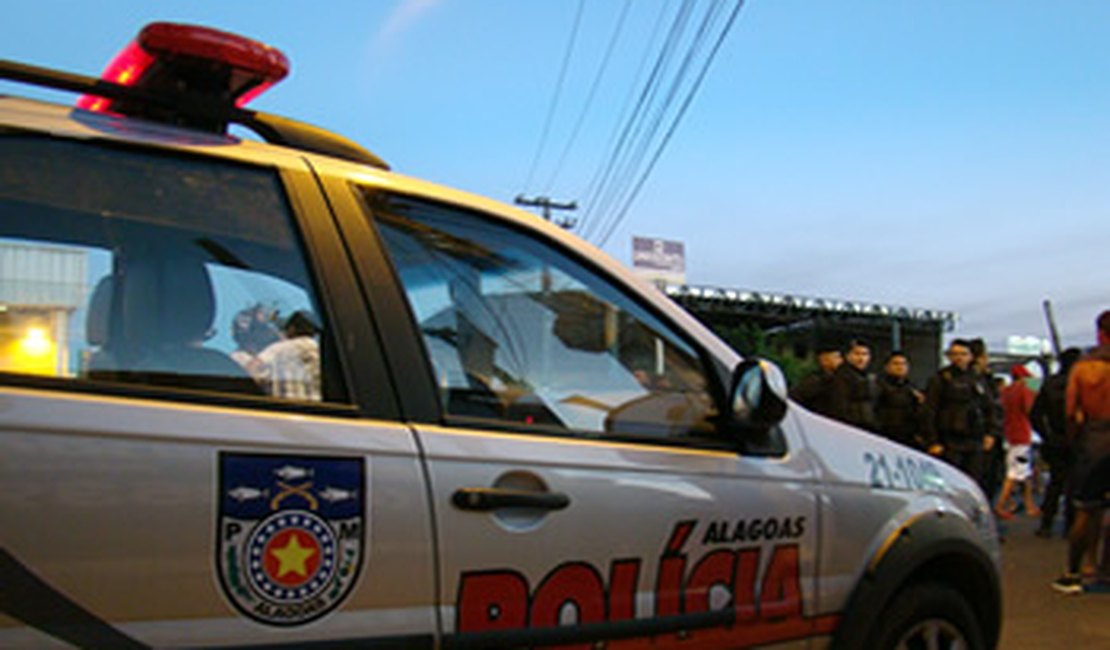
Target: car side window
159 270
518 332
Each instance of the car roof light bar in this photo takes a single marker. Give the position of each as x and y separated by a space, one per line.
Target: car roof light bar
220 66
272 128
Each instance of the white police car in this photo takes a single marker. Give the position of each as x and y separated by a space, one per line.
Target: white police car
275 395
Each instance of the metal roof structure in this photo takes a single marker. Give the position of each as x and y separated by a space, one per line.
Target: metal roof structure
770 304
801 324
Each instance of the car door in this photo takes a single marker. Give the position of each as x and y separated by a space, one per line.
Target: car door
198 437
585 484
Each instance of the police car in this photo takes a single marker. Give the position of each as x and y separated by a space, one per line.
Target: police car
273 394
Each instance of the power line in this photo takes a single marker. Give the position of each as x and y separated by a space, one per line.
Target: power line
596 182
627 181
631 127
613 38
558 93
633 166
678 118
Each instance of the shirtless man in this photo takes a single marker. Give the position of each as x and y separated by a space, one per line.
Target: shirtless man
1088 413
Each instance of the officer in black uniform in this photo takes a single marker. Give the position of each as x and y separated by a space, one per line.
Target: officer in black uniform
994 454
853 388
815 390
958 417
899 405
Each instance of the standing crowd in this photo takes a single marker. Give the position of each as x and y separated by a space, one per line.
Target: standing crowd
986 428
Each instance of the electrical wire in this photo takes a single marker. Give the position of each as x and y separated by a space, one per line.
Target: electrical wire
596 181
677 120
635 163
632 126
556 96
613 38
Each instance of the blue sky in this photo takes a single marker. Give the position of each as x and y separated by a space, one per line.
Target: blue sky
945 154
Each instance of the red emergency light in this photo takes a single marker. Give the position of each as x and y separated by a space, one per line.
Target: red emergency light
200 62
195 77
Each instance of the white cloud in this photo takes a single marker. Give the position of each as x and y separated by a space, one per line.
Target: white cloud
403 17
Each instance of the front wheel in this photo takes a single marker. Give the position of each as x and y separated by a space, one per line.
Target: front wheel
927 616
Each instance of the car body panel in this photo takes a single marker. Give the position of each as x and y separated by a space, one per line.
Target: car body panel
870 488
634 508
117 504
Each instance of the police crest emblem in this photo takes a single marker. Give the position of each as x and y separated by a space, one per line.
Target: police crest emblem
290 535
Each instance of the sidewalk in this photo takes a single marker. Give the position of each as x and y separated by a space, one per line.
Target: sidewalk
1036 617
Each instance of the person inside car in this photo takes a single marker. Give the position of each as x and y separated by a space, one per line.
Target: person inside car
291 367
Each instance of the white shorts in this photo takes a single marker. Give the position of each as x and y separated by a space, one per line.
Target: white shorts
1019 462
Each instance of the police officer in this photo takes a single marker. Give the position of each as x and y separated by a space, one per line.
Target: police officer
853 388
959 414
899 405
815 391
994 456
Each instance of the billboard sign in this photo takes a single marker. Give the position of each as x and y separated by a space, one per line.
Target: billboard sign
659 260
1030 346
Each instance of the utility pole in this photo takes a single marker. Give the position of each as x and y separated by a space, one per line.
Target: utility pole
547 205
1051 318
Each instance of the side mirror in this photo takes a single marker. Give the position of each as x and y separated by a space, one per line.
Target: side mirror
758 394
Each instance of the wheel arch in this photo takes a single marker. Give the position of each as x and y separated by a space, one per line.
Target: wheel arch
938 547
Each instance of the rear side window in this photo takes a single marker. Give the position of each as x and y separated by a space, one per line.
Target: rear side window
161 270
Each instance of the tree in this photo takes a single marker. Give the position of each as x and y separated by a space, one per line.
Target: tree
751 341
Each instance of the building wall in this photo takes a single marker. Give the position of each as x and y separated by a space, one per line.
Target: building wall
41 287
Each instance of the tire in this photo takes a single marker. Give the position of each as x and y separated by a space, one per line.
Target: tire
927 616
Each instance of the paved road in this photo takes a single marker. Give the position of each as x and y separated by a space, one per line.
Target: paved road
1035 616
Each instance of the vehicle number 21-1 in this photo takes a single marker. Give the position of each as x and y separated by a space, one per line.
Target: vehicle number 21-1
903 473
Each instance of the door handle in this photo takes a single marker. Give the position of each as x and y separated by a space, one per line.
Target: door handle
485 499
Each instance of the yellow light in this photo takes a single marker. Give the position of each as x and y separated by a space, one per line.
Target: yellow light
36 343
126 75
33 353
